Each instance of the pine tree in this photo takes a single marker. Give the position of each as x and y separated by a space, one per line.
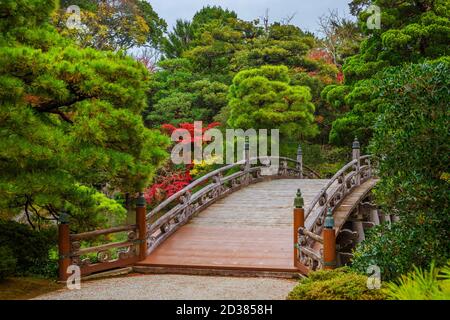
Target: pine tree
411 32
263 98
70 122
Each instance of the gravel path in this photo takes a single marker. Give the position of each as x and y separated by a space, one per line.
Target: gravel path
174 287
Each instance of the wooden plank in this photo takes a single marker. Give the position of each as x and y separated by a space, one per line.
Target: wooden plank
97 267
103 247
96 233
218 272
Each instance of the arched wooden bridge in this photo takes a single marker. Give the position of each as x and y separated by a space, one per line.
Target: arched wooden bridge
238 220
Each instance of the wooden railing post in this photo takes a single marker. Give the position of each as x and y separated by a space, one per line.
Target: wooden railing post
329 242
356 155
300 160
141 225
63 246
299 222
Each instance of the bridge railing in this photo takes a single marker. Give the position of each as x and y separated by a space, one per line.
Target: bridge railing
151 229
330 197
176 210
78 249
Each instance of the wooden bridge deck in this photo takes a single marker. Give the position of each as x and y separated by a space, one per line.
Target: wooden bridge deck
249 230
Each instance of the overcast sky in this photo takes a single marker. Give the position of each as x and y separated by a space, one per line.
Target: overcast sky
307 11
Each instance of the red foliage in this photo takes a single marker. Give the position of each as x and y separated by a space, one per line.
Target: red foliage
191 129
168 187
340 77
322 55
318 54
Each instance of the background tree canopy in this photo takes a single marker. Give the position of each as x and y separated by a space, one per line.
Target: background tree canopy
411 32
203 56
112 25
70 122
263 98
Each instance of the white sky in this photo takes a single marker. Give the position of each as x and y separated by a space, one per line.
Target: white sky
307 11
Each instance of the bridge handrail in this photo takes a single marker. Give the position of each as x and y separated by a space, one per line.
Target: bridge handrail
191 186
184 203
331 198
327 186
216 172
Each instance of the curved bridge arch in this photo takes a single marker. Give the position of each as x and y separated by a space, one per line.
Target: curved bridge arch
259 236
205 244
175 211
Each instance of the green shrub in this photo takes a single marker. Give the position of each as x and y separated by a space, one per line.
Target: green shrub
30 248
7 262
396 248
339 284
422 285
411 143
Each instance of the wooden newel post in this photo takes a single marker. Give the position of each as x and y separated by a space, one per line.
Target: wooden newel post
300 160
63 246
141 225
329 242
299 222
356 154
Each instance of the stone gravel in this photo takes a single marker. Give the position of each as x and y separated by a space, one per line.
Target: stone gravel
177 287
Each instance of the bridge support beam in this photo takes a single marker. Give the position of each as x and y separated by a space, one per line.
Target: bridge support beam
374 217
359 228
329 242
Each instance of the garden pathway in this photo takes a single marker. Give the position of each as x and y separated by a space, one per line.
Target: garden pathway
177 287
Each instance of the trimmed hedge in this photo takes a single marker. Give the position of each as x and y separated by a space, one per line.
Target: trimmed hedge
339 284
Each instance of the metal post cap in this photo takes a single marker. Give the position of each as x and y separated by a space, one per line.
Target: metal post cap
356 144
247 143
298 201
63 218
140 201
329 220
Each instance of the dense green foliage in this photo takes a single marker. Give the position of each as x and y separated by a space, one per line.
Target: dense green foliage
70 122
205 54
7 262
264 99
411 32
338 284
411 140
25 251
433 284
178 95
